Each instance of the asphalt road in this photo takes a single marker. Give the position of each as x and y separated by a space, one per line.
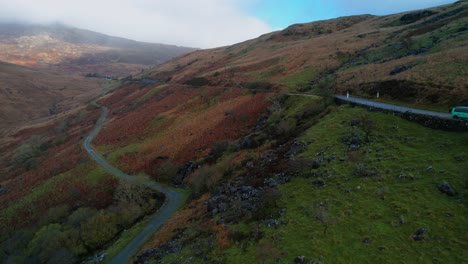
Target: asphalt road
173 198
391 107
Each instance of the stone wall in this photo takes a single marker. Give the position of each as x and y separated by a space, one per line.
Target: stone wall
425 120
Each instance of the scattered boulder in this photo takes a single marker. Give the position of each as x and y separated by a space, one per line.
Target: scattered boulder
366 240
353 140
381 191
419 234
300 259
296 147
401 219
446 188
3 191
318 183
273 223
280 178
315 164
99 258
399 69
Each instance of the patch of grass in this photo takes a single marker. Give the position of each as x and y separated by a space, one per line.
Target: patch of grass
125 237
151 93
274 71
157 120
302 79
113 156
357 219
246 50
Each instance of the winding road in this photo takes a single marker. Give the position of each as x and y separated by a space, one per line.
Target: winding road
173 197
391 107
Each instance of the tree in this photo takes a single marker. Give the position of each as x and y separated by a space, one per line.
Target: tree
367 124
80 216
45 243
99 229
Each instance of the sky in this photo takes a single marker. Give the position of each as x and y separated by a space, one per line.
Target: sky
195 23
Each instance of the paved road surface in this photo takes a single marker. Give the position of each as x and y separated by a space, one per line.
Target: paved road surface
173 197
393 107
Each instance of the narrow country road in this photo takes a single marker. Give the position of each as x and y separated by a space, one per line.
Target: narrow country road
173 198
392 107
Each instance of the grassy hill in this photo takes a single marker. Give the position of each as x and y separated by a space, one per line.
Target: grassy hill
274 177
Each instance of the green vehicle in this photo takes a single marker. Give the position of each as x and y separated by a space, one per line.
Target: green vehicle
460 112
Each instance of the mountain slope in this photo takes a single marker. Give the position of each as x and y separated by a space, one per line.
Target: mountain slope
415 57
72 50
28 95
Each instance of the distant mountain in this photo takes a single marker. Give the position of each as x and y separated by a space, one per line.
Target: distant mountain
73 50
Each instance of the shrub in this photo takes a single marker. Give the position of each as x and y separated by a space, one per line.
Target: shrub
258 85
198 81
28 152
207 177
46 242
217 150
367 125
99 229
165 172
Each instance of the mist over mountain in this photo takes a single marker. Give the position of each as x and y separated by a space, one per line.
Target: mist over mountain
78 51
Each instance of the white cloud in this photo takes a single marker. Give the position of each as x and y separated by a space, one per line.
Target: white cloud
194 23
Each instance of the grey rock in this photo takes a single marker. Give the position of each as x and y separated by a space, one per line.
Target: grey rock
299 260
382 248
318 183
100 257
3 190
222 207
419 234
214 211
381 191
401 219
399 69
402 176
446 188
273 223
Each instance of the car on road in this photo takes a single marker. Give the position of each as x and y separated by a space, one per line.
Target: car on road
459 112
